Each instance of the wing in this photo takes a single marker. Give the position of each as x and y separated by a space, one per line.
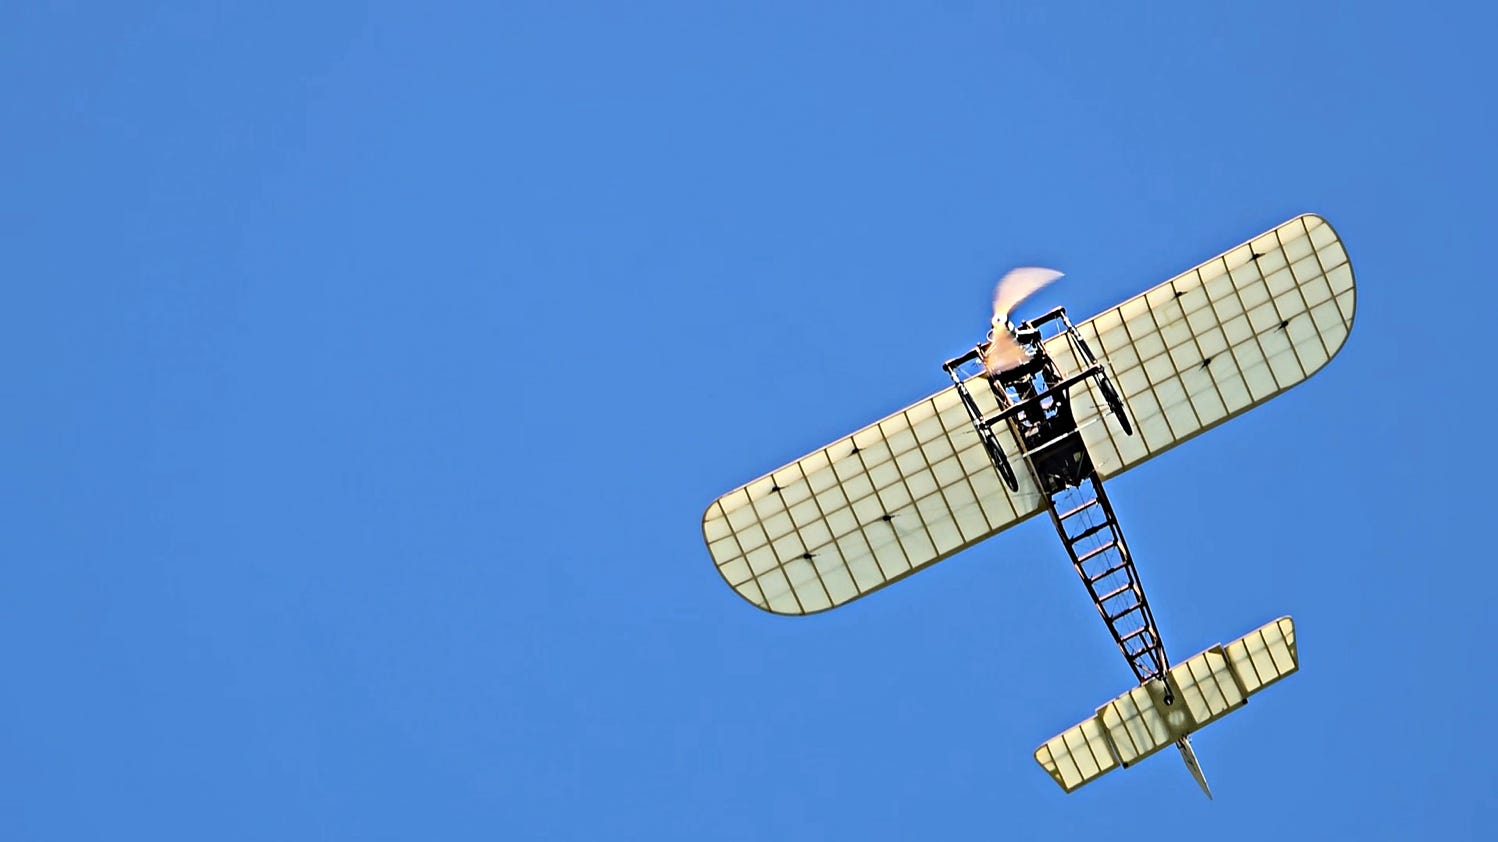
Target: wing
916 487
1216 341
892 498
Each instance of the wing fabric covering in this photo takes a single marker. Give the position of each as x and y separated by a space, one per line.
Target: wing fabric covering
917 486
1216 341
1137 724
864 511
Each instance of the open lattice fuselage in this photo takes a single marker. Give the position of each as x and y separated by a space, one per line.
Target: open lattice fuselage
1035 403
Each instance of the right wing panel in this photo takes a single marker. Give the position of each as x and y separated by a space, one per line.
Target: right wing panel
1215 341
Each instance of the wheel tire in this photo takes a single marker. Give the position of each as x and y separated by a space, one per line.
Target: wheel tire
1007 473
1111 396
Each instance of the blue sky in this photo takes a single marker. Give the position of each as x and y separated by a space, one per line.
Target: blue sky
368 367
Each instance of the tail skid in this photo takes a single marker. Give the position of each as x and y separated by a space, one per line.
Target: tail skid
1189 755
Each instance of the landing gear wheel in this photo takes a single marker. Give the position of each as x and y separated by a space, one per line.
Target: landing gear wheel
1008 474
1114 403
996 456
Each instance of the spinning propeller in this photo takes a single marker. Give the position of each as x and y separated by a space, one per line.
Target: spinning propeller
1003 352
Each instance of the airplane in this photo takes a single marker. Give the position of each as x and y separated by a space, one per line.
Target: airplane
1072 405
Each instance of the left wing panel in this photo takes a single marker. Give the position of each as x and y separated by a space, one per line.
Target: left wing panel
866 510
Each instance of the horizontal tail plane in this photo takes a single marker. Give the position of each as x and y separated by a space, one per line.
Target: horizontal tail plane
1195 693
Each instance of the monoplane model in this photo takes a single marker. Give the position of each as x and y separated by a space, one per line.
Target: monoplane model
1036 418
